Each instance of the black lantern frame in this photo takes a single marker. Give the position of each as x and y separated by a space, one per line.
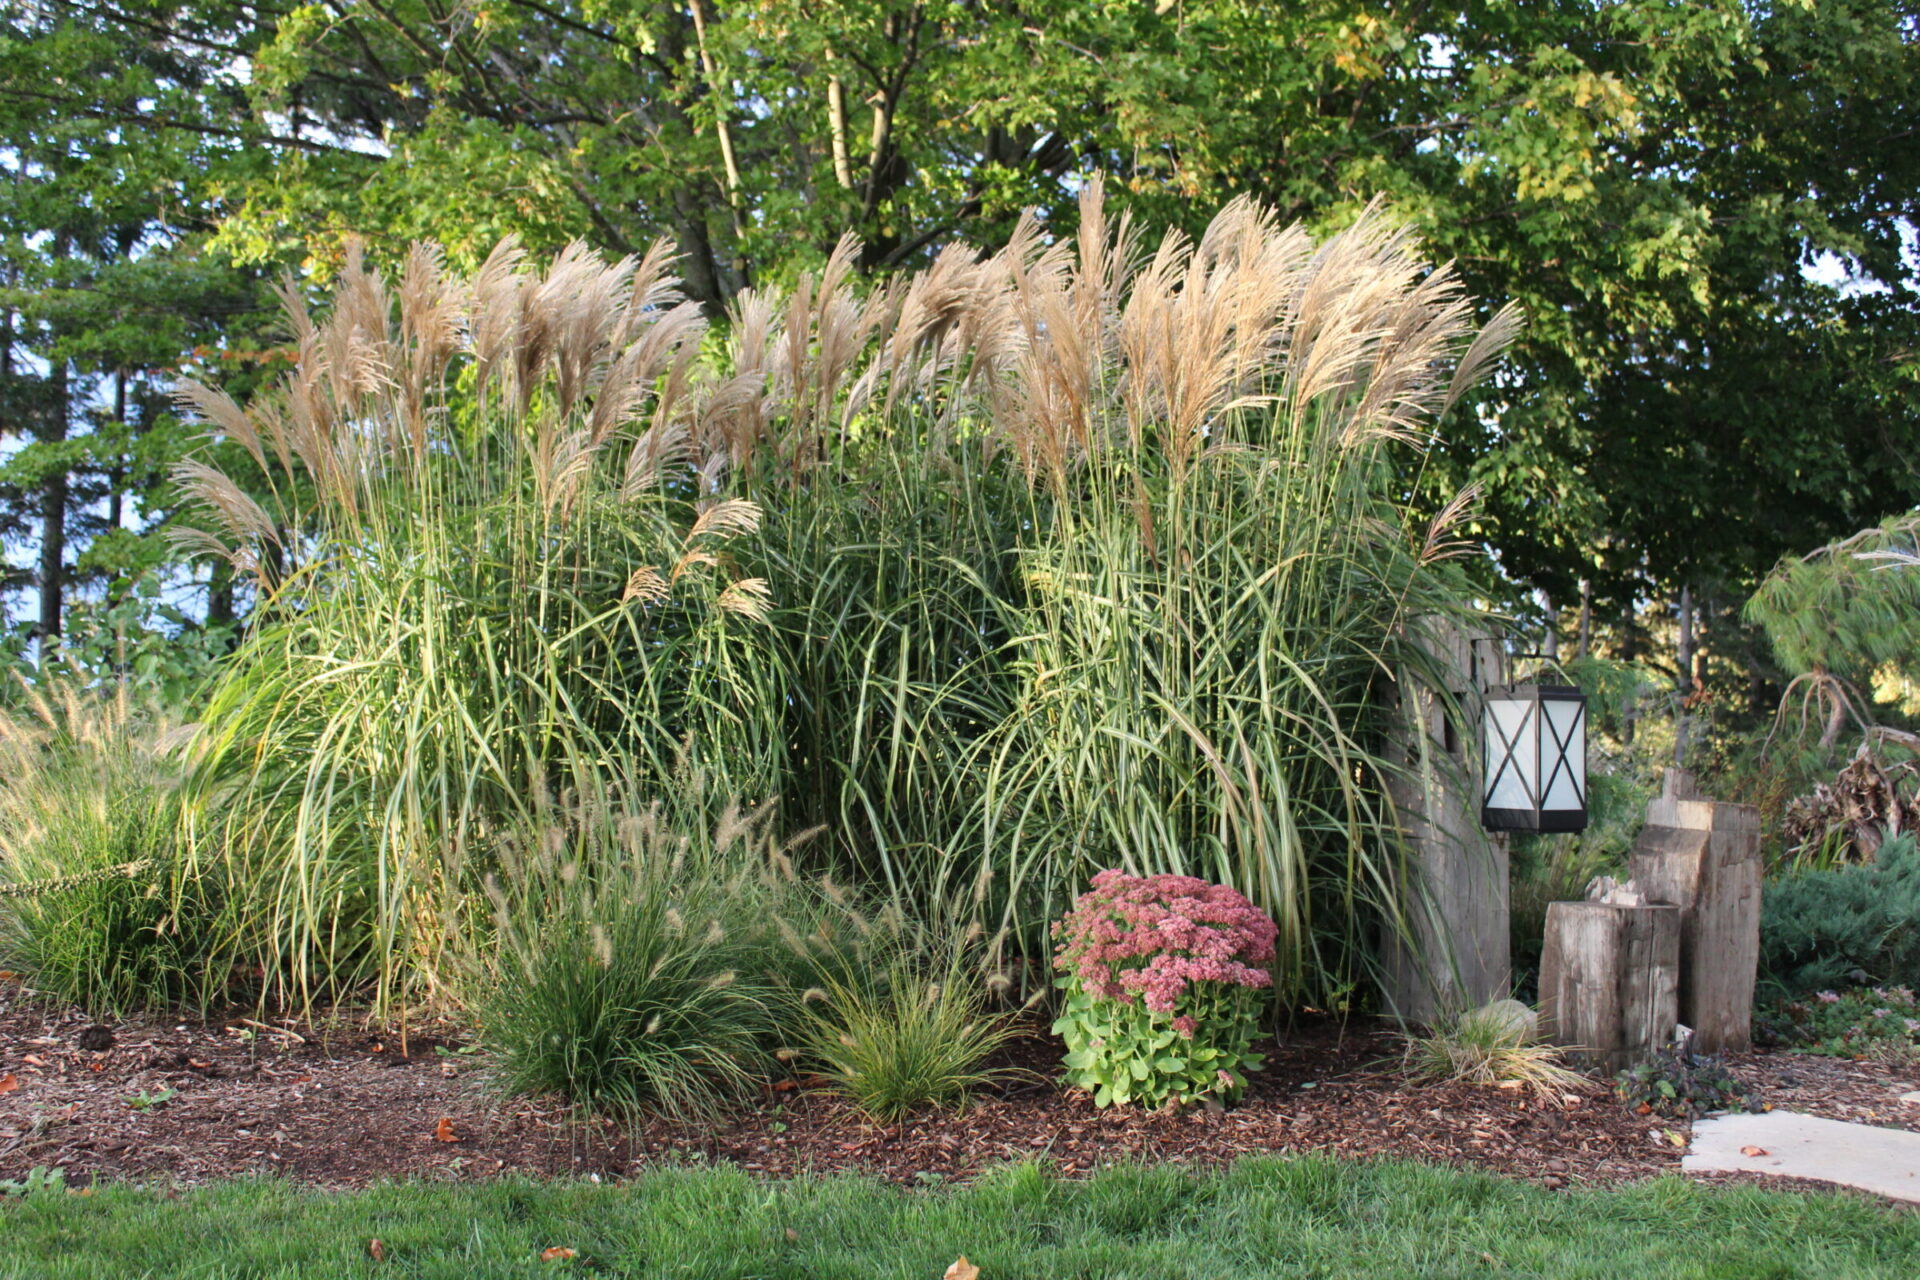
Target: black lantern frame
1534 745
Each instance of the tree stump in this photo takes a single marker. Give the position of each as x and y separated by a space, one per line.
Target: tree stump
1703 857
1610 980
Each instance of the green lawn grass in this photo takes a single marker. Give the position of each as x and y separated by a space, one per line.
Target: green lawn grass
1264 1217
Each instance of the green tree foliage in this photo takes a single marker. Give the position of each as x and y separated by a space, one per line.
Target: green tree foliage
1846 608
105 294
1648 178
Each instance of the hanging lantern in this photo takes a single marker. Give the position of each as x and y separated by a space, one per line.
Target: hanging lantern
1534 741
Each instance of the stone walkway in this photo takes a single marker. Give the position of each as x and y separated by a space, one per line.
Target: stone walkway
1786 1144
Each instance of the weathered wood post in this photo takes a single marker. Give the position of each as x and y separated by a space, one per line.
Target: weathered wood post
1457 953
1703 858
1610 980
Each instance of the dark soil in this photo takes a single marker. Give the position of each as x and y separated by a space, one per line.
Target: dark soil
337 1105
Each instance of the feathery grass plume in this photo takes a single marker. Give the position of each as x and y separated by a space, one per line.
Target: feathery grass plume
464 496
1217 570
1100 559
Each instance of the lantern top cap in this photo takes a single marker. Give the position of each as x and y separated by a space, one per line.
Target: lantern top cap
1535 689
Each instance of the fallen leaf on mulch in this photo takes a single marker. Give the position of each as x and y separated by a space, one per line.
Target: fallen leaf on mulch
558 1253
8 1083
443 1132
376 1251
1753 1151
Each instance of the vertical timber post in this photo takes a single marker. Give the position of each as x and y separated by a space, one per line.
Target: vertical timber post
1454 954
1703 857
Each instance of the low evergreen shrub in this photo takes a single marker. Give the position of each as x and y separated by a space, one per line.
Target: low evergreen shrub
1844 926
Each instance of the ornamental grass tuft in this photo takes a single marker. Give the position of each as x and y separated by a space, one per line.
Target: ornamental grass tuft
637 963
97 906
1498 1044
921 1037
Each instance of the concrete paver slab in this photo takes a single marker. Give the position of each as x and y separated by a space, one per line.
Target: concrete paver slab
1790 1145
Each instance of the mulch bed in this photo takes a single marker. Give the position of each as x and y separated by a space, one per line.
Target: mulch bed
1863 1092
340 1106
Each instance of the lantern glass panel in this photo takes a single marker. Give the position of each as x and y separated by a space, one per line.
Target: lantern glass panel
1510 755
1563 754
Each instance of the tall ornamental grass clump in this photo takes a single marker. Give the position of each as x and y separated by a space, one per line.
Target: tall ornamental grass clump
1084 553
1143 569
481 574
96 906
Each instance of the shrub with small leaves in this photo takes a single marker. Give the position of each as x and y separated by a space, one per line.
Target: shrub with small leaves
1162 975
1867 1022
1681 1086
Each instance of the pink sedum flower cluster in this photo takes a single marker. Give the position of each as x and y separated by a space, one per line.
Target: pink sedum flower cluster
1153 937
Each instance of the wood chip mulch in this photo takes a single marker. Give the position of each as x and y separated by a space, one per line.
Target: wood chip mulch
1863 1091
342 1106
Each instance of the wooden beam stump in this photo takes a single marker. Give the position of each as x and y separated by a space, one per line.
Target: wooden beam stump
1703 857
1609 980
1457 894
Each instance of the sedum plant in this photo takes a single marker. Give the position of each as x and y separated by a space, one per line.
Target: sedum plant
1161 975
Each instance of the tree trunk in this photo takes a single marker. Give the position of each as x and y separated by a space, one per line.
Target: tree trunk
220 595
52 577
1682 722
1586 619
